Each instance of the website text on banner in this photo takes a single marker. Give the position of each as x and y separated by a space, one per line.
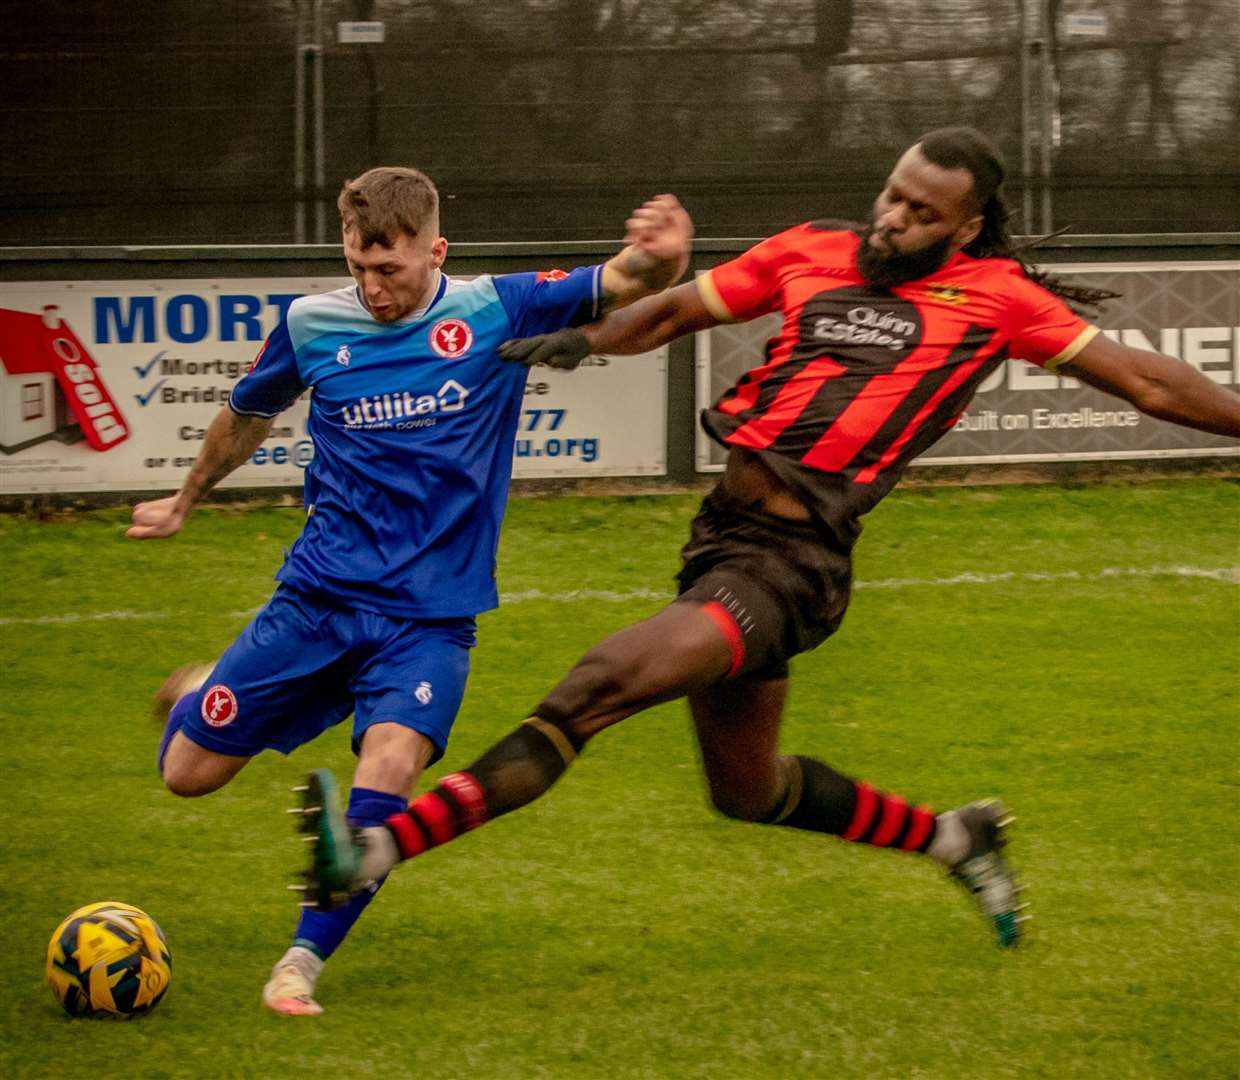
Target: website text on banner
110 386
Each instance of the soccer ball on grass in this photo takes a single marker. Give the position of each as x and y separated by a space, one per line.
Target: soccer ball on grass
108 959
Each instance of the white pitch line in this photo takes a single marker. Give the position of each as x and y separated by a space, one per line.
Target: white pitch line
574 595
1229 575
96 616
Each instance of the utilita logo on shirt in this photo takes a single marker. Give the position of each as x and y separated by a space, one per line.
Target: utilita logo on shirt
404 411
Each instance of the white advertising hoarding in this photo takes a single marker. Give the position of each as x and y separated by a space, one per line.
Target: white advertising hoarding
111 385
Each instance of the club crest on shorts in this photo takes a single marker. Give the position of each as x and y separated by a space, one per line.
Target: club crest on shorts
219 706
423 693
451 338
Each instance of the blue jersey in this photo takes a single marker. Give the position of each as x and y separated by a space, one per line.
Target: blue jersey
413 424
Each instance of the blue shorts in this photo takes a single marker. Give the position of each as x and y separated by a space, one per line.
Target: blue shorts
303 665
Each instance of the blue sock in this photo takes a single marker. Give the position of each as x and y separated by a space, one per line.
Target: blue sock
322 931
176 717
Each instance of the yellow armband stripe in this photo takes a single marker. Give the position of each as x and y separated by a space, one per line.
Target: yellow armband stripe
1078 343
711 298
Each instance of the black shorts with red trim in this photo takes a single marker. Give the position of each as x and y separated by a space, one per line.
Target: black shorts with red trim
776 587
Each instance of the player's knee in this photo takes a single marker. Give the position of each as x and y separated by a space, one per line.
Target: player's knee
605 673
392 757
190 771
189 783
598 680
391 771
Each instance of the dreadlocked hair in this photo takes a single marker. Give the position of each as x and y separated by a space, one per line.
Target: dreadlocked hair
966 148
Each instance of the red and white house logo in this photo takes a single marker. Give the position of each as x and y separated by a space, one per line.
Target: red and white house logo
219 706
451 338
50 386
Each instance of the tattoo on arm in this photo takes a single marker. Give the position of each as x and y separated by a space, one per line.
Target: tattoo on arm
230 441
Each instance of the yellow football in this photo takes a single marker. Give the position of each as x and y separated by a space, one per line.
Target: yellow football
108 959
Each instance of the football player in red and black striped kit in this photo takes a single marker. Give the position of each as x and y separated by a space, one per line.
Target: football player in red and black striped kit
888 330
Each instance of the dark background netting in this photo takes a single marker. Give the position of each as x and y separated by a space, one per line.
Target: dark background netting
172 121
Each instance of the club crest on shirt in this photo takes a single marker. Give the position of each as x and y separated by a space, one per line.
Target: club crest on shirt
451 338
343 356
944 293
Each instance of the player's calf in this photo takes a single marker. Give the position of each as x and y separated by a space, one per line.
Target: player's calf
748 805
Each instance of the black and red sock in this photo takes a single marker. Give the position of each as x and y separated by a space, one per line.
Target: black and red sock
455 806
819 799
515 771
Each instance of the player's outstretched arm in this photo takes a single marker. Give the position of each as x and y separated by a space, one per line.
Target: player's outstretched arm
658 239
638 328
1158 385
230 440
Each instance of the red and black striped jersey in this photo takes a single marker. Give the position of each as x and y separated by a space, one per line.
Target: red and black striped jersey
861 379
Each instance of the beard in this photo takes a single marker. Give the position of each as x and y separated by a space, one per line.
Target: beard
888 271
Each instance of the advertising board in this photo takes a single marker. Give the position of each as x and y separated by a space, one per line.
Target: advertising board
111 385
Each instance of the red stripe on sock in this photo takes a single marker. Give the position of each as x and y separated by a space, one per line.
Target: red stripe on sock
895 813
867 804
923 822
409 837
469 796
732 632
436 815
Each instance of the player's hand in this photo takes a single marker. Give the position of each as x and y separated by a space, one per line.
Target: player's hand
660 227
156 519
564 349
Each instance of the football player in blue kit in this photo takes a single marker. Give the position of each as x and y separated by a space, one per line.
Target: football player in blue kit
413 418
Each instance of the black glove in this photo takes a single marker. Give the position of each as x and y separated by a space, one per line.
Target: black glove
564 349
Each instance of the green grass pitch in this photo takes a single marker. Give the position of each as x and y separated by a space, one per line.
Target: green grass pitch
1073 650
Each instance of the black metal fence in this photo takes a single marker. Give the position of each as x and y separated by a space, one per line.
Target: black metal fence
173 121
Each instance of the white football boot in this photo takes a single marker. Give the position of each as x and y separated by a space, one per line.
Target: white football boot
290 990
